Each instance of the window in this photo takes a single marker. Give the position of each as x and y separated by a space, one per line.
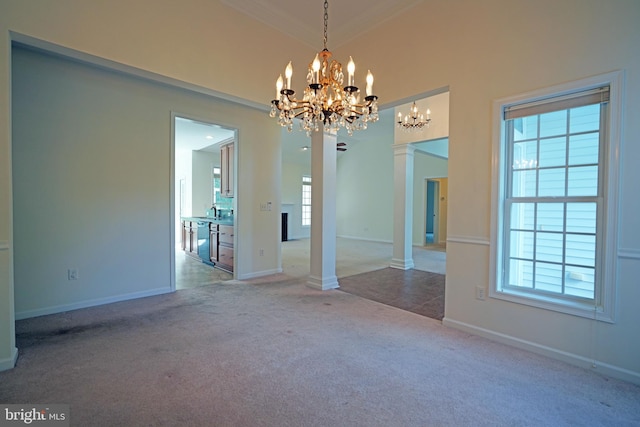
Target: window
556 186
306 200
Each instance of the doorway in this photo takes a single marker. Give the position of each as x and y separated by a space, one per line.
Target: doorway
196 189
435 212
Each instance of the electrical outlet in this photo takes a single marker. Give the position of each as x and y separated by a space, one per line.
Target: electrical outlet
480 293
261 252
72 274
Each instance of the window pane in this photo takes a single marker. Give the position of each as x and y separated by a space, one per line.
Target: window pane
583 149
552 124
550 216
551 182
581 250
581 217
524 183
549 247
525 128
552 198
553 152
522 216
580 282
521 273
584 119
549 277
525 155
521 244
583 181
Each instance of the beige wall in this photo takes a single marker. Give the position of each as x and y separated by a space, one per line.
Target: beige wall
486 50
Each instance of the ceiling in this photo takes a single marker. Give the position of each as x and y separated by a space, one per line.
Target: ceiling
304 20
196 135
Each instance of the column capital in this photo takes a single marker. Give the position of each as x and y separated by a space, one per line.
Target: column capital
406 149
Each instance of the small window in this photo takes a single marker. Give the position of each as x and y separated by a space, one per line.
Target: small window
556 184
306 201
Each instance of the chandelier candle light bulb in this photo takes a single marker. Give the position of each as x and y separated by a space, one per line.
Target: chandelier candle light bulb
369 83
351 68
288 72
326 99
278 86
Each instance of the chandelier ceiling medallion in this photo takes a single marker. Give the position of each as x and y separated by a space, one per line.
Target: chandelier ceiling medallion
414 120
325 99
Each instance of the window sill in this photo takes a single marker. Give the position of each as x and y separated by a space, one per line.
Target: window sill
573 308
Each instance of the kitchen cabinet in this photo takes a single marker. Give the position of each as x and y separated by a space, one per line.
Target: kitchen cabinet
226 170
225 247
190 238
213 242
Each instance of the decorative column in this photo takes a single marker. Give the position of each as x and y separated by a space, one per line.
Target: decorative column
323 211
402 257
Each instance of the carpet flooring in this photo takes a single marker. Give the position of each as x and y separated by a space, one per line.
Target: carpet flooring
420 292
273 352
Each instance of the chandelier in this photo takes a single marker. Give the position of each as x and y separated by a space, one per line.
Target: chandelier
325 100
414 120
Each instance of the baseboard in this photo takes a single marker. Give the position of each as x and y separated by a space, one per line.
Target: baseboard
570 358
89 303
10 363
257 274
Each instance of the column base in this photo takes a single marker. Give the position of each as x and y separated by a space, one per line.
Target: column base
402 264
323 284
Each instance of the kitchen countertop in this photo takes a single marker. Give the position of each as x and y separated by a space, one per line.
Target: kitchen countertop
221 221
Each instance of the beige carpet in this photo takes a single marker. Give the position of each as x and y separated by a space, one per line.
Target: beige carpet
273 352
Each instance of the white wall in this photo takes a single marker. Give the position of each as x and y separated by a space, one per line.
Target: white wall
202 180
364 190
92 182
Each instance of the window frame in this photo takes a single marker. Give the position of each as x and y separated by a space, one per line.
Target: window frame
306 182
606 239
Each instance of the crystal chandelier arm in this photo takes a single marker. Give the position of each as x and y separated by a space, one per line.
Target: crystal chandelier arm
325 100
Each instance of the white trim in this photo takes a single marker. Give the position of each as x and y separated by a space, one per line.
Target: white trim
402 264
90 303
469 240
257 274
323 283
629 253
4 245
573 359
9 363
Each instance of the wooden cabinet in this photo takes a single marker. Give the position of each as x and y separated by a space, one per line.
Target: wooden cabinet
226 170
190 238
225 247
221 250
213 242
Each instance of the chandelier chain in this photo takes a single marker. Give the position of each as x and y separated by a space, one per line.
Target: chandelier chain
331 97
326 22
